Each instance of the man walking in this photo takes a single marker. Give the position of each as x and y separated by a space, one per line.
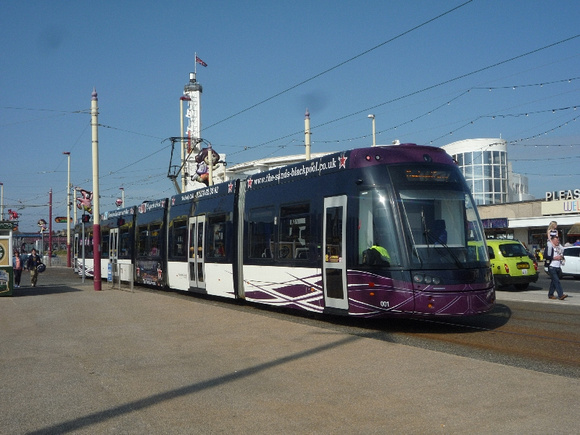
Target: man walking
33 262
556 255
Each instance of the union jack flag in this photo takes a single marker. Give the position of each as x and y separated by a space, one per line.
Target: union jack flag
201 62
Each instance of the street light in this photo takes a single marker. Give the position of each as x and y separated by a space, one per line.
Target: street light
122 189
96 197
372 117
1 201
68 204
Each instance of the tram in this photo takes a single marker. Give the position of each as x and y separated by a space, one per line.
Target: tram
372 232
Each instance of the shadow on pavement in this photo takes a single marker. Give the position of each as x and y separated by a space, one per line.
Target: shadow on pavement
140 404
43 290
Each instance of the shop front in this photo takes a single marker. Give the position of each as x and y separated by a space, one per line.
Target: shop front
528 221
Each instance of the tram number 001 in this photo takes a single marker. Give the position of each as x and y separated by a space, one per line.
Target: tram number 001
384 304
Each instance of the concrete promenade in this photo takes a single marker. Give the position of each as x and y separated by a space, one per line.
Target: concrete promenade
75 360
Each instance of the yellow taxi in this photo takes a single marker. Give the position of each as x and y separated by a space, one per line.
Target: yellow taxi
511 263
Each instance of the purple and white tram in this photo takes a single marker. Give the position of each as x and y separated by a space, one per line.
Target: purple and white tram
371 232
117 243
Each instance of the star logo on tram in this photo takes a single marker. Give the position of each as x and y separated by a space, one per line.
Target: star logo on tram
250 183
230 187
342 161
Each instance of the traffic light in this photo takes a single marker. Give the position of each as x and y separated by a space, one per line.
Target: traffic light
86 218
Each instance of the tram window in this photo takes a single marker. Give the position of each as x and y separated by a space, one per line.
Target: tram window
105 243
261 232
142 245
216 243
88 246
179 239
294 232
124 243
155 239
334 246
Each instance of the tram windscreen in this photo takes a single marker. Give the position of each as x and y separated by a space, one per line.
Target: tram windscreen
443 228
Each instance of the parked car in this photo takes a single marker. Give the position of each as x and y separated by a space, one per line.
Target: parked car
511 263
533 258
571 266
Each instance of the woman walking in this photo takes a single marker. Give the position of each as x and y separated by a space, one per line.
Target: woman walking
17 265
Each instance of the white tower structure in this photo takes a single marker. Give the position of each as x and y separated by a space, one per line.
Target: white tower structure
194 143
192 146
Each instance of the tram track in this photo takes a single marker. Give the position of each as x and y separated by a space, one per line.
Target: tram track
539 340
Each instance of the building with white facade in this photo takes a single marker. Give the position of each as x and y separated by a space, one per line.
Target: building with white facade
484 163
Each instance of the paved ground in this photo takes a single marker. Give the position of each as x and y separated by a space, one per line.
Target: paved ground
75 360
538 292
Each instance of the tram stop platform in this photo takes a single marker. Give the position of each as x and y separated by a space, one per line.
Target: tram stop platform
76 360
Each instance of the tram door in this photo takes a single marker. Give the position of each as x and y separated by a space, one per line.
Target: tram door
334 248
114 245
113 251
196 252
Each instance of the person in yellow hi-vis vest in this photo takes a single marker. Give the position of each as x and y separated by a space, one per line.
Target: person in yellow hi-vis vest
375 255
383 252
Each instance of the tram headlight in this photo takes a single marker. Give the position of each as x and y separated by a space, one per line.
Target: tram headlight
419 278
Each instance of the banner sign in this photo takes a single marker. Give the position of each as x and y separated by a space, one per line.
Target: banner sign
561 207
5 255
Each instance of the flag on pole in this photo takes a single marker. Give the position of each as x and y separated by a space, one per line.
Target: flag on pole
201 62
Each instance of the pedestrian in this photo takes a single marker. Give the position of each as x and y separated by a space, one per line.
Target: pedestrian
33 262
17 266
556 258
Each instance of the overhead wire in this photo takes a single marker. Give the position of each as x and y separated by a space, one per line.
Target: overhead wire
320 74
410 94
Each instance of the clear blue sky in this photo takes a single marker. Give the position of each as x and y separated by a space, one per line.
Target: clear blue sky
426 75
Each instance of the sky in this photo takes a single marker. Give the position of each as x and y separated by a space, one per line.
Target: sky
432 72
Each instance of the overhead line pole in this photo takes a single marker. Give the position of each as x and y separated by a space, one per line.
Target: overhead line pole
96 212
68 204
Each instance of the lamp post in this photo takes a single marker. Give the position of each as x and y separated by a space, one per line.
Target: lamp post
68 264
96 208
1 201
50 227
307 133
372 117
122 196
